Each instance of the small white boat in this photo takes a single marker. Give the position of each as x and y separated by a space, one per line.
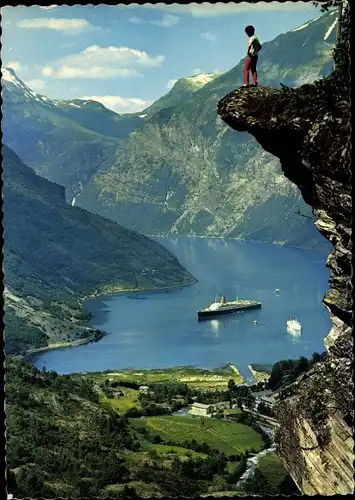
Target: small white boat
295 325
255 322
277 290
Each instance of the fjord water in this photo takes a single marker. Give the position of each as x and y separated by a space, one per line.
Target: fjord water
160 329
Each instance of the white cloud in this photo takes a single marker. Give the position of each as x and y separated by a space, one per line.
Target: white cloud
36 84
208 36
15 65
171 83
220 9
103 62
120 104
96 72
167 21
69 26
47 71
136 20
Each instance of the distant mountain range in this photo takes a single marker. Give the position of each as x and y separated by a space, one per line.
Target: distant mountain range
63 141
55 253
176 168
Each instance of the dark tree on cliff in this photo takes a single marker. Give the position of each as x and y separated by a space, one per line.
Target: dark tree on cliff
231 388
341 52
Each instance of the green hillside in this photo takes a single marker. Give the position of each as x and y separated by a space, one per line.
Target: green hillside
63 442
55 253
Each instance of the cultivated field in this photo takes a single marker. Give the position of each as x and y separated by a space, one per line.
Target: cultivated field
163 449
228 437
123 403
194 377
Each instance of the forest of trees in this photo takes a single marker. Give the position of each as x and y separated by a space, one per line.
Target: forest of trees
286 371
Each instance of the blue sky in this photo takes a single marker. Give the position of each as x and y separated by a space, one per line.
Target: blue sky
128 56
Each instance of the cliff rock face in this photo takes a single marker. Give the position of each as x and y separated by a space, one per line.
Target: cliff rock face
308 129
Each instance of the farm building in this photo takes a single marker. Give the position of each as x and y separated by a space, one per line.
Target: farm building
201 409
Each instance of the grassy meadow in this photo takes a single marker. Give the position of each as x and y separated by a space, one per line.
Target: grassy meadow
194 377
224 436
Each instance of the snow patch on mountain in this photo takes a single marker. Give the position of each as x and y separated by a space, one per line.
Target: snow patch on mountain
306 24
202 78
9 75
326 36
13 84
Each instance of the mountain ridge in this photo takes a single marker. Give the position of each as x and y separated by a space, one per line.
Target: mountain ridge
181 91
184 172
36 127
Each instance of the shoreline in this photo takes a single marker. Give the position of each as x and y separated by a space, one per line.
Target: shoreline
113 292
277 243
236 371
259 376
28 355
31 353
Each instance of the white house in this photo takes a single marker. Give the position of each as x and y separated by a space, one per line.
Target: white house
200 409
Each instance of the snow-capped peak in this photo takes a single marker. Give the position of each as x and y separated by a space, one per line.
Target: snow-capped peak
9 75
202 78
14 85
11 80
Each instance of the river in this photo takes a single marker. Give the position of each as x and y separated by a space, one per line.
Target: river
160 329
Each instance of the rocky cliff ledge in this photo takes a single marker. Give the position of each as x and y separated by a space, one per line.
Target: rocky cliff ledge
308 129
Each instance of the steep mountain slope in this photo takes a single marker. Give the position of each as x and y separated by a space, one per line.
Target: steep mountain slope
184 171
37 127
55 252
181 91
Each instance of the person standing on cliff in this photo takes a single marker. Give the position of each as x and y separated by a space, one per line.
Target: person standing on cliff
251 60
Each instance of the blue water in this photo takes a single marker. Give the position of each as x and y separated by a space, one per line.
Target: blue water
160 329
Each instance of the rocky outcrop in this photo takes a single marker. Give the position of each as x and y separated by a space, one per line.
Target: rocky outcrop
308 129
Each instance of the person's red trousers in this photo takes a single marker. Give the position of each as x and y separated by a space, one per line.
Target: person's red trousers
250 65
